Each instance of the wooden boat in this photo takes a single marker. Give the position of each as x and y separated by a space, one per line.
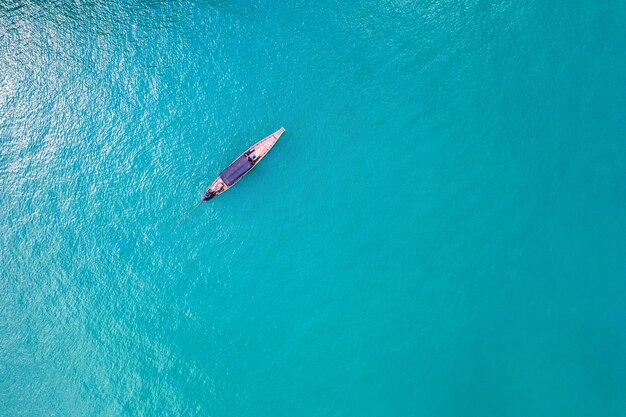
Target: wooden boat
242 165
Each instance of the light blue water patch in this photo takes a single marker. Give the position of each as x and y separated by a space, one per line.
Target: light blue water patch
439 232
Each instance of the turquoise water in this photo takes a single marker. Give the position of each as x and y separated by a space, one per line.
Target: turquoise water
439 232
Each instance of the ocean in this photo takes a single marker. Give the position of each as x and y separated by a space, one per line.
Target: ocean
441 230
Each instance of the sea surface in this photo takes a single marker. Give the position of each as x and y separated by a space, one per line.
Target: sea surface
441 231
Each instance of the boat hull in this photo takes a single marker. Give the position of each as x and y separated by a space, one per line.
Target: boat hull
242 165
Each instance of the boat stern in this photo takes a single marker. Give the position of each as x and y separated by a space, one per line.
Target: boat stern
217 188
208 195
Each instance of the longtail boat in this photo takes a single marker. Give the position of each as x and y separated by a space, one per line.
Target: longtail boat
242 165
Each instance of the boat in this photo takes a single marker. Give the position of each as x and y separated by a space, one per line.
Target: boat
242 165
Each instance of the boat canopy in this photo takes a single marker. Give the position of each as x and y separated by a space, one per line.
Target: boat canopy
236 170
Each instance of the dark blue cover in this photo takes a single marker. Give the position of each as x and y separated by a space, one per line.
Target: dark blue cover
236 170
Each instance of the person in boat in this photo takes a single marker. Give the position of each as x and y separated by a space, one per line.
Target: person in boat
252 157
